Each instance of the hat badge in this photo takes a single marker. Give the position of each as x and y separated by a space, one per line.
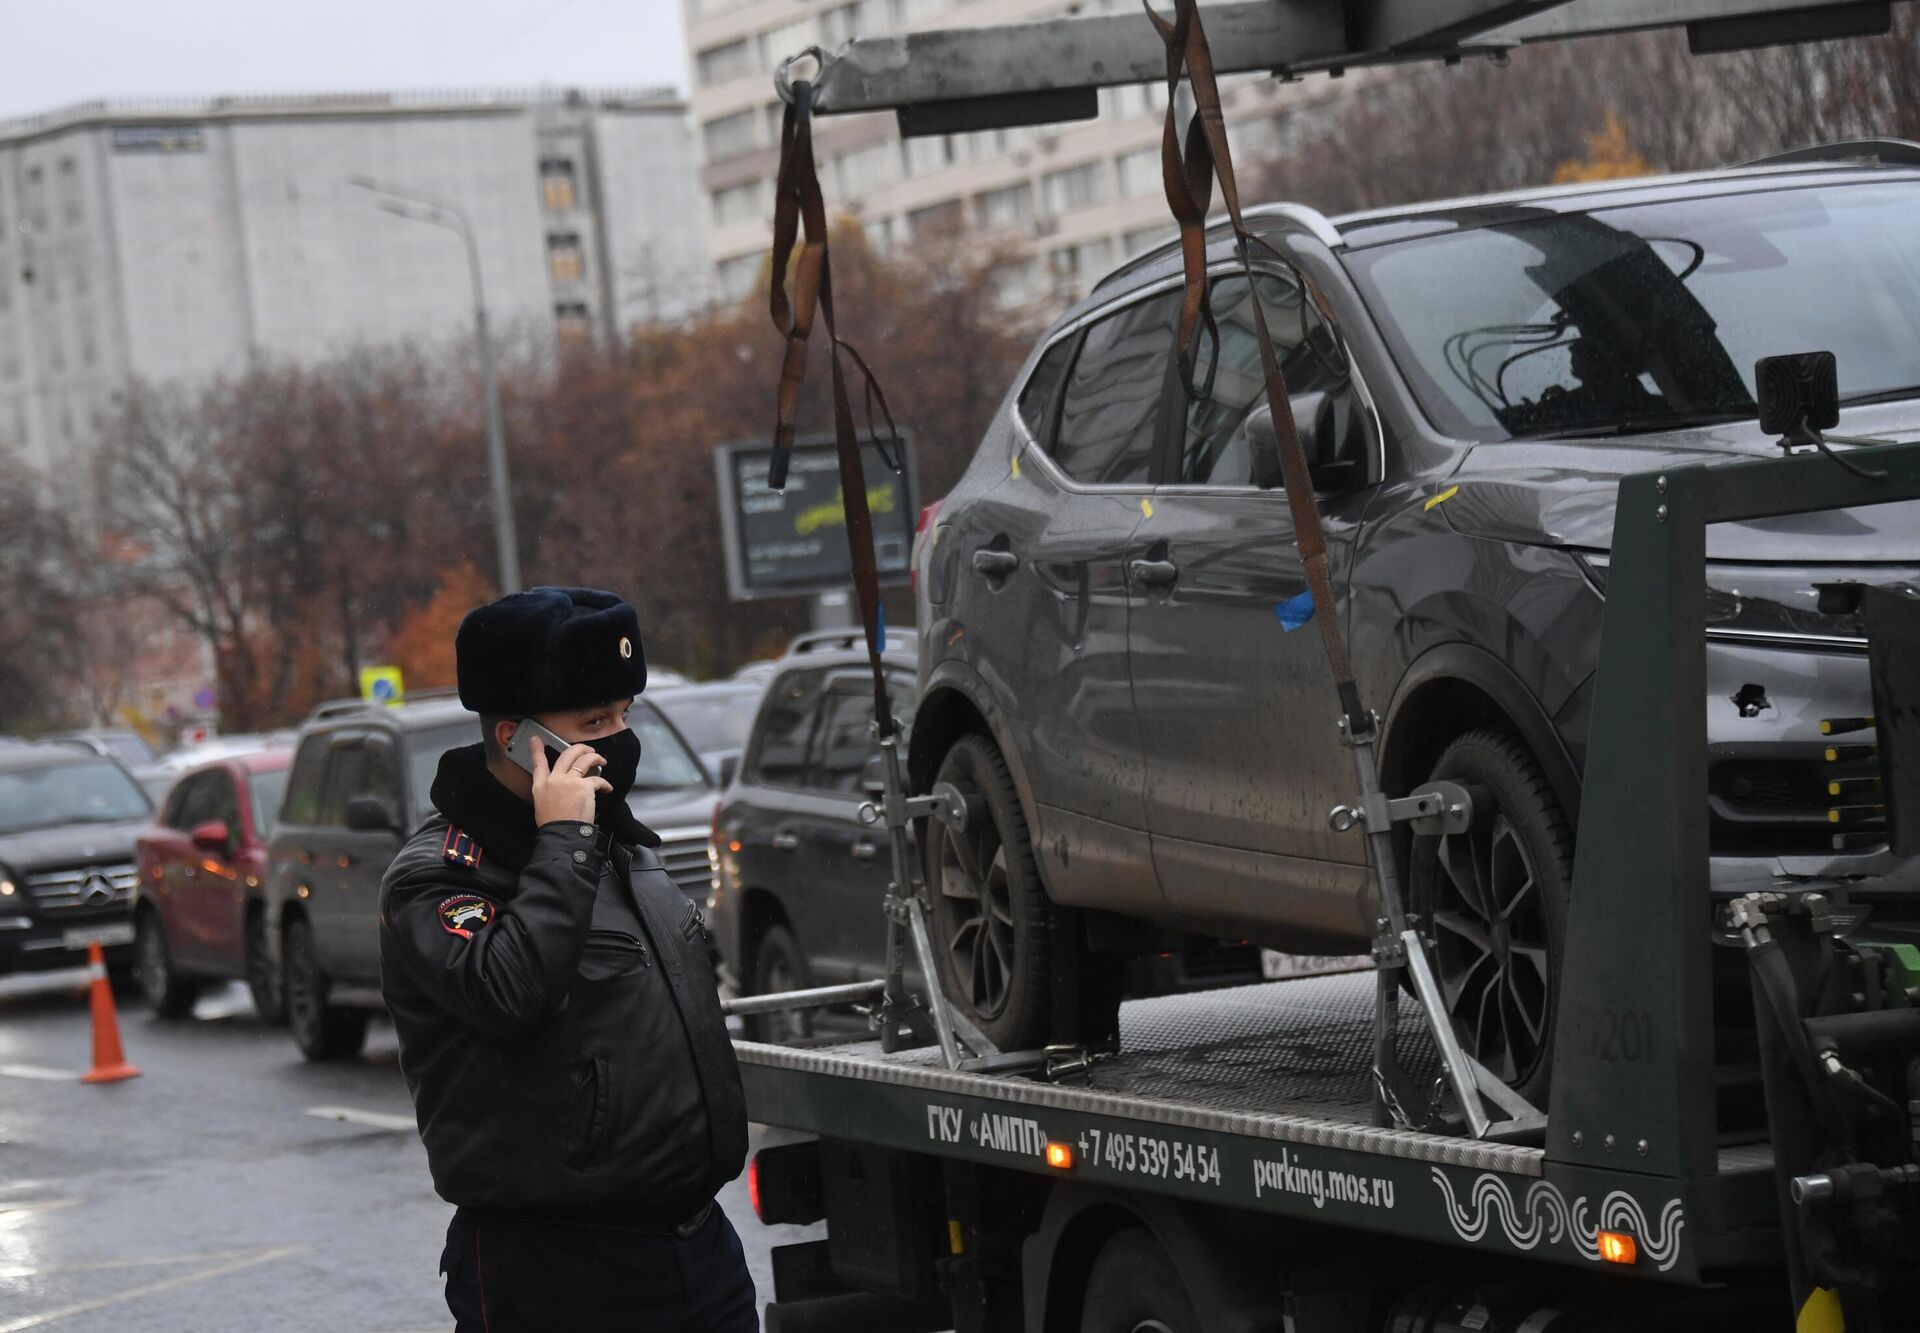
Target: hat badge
626 646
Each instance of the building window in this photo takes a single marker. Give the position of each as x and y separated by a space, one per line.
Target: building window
1076 267
69 186
1139 173
912 13
1075 188
1009 207
739 203
571 321
557 184
928 154
1142 239
865 169
740 275
1018 285
565 260
880 235
1136 99
725 63
840 24
36 208
730 136
941 219
776 44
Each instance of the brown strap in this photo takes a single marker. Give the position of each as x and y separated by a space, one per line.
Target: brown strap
1188 178
800 210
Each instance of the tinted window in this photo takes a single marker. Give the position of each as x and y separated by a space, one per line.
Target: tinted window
303 788
89 791
1215 449
222 803
1037 400
187 803
424 749
266 791
1110 416
843 743
786 723
347 772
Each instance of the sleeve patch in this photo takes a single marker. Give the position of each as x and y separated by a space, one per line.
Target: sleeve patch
459 849
463 914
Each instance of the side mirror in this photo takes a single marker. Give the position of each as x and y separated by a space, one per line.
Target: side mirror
212 836
1328 424
369 814
873 778
729 769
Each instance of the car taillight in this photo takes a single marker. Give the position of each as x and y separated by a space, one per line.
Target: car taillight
753 1186
928 514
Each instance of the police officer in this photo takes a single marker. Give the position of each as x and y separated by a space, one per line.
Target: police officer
558 1023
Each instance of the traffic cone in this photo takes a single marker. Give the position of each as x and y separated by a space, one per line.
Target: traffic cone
109 1061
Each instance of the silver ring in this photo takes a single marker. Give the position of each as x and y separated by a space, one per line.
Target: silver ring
783 83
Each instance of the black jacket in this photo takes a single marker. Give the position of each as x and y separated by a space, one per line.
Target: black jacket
558 1023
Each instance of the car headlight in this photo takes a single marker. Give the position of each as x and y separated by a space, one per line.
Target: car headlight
10 894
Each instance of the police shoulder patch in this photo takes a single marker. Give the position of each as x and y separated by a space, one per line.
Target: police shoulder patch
459 849
464 913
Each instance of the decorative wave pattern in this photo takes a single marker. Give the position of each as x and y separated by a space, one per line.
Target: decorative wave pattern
1544 1216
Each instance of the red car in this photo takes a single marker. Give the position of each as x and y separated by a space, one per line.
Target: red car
197 905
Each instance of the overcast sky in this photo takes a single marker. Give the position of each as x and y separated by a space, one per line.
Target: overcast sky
53 53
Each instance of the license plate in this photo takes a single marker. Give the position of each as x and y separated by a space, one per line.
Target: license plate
1277 966
120 932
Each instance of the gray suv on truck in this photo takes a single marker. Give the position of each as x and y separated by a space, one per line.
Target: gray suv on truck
1113 657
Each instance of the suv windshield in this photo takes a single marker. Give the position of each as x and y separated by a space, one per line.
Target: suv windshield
665 762
84 791
1650 317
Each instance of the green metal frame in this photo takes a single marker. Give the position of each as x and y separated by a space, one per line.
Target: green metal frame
1633 1088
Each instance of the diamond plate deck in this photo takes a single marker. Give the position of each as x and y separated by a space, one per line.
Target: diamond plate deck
1286 1060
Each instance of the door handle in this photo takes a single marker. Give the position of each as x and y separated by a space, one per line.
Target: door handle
786 842
1153 573
993 563
345 862
865 850
305 857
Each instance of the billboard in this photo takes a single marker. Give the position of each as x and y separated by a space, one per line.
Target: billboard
793 543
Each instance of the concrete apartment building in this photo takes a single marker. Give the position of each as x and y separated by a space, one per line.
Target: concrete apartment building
174 240
1081 197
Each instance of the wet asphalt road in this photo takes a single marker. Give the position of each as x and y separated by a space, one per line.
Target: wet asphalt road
205 1196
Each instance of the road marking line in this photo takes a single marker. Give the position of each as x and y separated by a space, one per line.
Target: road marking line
353 1115
254 1260
104 1265
41 1072
13 1213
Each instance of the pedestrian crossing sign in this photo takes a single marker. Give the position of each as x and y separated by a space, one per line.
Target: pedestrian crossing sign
381 685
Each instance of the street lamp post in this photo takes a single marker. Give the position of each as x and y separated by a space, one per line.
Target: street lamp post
440 213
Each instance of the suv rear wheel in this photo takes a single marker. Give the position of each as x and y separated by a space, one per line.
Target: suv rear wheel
322 1031
168 994
991 917
1494 902
263 976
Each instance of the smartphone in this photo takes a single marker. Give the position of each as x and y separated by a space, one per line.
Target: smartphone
525 736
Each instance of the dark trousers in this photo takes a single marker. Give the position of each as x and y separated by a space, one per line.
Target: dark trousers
523 1275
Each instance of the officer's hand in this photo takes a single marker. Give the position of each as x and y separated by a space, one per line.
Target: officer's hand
566 790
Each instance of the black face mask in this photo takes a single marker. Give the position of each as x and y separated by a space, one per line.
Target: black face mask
622 753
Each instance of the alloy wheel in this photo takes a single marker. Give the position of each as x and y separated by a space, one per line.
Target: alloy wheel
978 900
1490 946
783 1027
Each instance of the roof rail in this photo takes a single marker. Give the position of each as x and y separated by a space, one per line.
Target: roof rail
1310 220
346 707
1889 152
830 640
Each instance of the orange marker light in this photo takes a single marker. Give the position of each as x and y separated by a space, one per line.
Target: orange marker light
1060 1156
1617 1247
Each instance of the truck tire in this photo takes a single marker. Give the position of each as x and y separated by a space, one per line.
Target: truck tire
991 916
1494 902
322 1031
778 965
263 974
167 993
1133 1287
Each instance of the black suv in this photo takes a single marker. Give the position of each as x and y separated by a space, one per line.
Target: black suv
1113 654
67 824
361 780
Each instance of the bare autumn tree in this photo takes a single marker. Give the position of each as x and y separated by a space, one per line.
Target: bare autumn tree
1406 135
38 641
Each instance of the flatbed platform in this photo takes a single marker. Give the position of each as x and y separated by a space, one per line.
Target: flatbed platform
1257 1097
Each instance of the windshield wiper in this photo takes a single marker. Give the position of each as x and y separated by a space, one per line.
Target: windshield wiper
1637 426
1881 396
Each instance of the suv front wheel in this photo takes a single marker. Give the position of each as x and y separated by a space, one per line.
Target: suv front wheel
322 1031
1493 901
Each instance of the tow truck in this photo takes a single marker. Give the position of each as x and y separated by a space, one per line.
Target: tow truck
1715 1153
